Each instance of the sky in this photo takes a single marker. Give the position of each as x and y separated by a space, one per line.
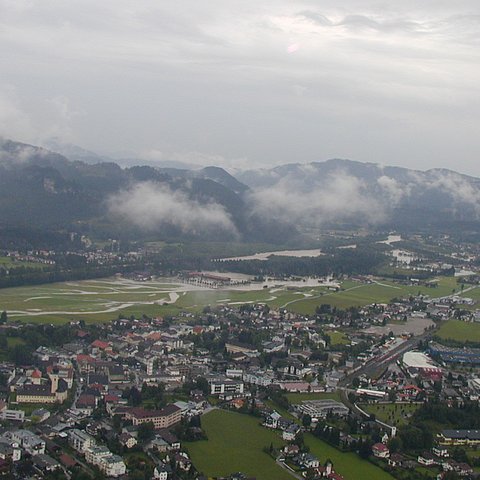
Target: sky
247 84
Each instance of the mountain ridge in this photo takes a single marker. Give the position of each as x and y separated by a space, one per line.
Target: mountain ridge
45 189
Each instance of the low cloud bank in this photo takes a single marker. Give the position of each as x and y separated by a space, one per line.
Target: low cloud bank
340 197
149 206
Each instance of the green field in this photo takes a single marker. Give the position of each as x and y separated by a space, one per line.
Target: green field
350 465
7 262
105 299
235 444
354 294
460 331
95 300
392 413
474 294
337 338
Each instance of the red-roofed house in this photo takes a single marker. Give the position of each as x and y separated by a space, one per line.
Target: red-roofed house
86 363
380 450
87 403
100 345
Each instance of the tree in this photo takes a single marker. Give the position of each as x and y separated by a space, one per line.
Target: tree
451 476
306 420
395 444
20 355
460 455
202 384
196 421
145 431
134 397
365 449
3 317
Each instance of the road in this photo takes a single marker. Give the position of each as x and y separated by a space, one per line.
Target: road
288 470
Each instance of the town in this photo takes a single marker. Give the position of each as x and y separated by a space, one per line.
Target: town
144 397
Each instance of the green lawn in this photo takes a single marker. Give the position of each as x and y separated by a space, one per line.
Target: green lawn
350 465
7 262
391 413
460 331
105 299
235 444
473 294
337 338
355 294
14 341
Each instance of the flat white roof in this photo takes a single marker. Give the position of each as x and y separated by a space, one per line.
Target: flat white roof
418 360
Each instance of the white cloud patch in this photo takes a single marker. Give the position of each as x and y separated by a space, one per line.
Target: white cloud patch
341 197
461 190
394 191
149 206
19 153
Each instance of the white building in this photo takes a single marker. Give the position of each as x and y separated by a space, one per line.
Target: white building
10 451
80 441
112 466
12 415
160 473
95 453
258 378
30 442
234 373
220 387
321 408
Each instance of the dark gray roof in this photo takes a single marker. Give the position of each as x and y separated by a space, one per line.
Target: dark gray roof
462 434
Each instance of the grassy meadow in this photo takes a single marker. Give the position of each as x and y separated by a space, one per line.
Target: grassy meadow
350 465
392 413
460 331
235 443
105 299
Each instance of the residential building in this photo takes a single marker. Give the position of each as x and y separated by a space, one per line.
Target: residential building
220 387
321 408
165 418
80 440
30 442
380 450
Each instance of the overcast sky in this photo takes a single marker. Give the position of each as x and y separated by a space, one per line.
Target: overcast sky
247 83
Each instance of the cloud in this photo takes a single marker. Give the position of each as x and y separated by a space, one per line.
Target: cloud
341 197
461 191
15 154
394 191
151 206
372 81
369 22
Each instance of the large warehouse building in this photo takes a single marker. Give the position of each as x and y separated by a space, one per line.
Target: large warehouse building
417 363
